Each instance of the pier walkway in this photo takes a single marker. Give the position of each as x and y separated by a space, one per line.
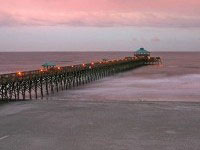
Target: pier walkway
38 83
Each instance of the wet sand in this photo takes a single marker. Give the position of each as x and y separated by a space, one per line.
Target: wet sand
81 125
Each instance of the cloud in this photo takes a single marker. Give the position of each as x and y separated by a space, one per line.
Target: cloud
134 39
6 19
101 13
155 39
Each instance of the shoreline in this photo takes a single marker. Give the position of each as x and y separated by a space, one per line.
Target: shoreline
97 101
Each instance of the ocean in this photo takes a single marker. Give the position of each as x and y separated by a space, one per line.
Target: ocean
177 79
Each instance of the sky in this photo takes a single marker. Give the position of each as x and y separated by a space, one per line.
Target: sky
99 25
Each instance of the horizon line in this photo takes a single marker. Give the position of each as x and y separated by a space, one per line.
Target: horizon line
88 51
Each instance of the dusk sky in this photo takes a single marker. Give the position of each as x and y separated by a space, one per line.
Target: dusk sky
99 25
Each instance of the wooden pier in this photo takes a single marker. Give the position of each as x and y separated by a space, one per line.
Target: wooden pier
38 83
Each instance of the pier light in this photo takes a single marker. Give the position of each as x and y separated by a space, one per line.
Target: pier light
92 63
72 66
19 73
83 65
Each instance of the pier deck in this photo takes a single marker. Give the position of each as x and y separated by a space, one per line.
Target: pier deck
38 83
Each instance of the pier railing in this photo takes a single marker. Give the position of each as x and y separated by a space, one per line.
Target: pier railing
36 83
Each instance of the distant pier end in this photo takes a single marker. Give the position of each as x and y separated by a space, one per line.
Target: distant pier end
142 53
51 78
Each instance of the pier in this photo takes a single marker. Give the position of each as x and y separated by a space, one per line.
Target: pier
38 83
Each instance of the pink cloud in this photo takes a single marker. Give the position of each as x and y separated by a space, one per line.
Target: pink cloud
156 13
155 39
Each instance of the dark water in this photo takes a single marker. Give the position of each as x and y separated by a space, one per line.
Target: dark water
178 79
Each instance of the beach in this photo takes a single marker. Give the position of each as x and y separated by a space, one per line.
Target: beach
93 125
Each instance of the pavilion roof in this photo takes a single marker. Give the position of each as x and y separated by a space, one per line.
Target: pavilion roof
49 64
142 51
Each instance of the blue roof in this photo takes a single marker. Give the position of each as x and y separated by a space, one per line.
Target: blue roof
142 51
49 64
